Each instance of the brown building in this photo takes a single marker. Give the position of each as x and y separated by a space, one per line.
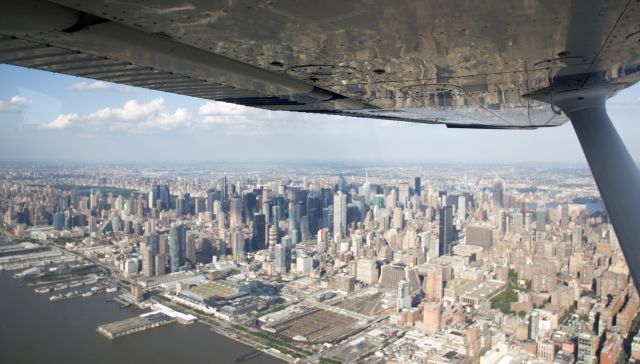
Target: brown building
611 350
431 317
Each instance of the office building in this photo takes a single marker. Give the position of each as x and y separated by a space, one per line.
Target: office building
339 215
446 229
177 241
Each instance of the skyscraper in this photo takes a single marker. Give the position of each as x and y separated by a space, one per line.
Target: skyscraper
497 196
403 194
190 249
417 186
403 298
165 198
148 261
154 196
259 232
432 313
276 211
314 213
446 237
462 207
367 271
223 189
339 214
212 195
434 284
180 207
283 255
273 236
153 240
237 244
235 217
58 220
177 241
541 220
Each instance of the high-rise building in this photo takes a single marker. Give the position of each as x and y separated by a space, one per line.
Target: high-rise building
304 265
403 296
154 196
237 244
417 186
480 236
223 190
273 236
367 271
434 283
200 205
397 218
576 237
190 249
148 261
431 321
518 223
339 214
276 214
177 241
462 207
165 198
314 213
259 232
497 196
153 240
541 219
403 194
586 343
180 207
534 325
159 264
446 237
58 220
283 255
235 217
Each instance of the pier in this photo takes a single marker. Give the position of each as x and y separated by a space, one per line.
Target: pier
162 315
133 325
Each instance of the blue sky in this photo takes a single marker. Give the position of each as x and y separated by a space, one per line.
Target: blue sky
51 117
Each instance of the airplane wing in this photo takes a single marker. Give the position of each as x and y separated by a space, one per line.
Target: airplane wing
457 62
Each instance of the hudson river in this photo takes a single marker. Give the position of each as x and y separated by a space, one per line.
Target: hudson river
34 330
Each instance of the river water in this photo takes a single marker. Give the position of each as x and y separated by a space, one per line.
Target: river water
34 330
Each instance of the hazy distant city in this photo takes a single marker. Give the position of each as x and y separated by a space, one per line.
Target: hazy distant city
331 262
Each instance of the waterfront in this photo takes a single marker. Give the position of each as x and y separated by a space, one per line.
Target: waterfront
34 330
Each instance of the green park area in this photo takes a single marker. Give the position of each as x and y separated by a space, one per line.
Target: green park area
509 295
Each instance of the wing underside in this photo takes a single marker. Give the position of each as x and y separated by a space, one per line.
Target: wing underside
460 63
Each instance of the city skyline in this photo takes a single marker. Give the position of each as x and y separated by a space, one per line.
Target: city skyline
51 117
452 263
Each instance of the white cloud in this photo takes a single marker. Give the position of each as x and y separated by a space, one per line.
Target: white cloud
14 103
62 121
132 117
238 119
96 85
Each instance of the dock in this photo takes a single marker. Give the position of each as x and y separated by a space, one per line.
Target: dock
133 325
162 315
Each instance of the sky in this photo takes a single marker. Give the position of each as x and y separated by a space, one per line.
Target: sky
50 117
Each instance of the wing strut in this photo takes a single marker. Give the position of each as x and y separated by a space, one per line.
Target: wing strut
616 174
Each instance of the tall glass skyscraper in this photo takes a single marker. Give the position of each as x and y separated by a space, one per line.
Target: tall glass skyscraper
177 240
339 214
446 230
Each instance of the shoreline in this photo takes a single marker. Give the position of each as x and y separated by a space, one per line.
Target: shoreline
243 349
221 331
